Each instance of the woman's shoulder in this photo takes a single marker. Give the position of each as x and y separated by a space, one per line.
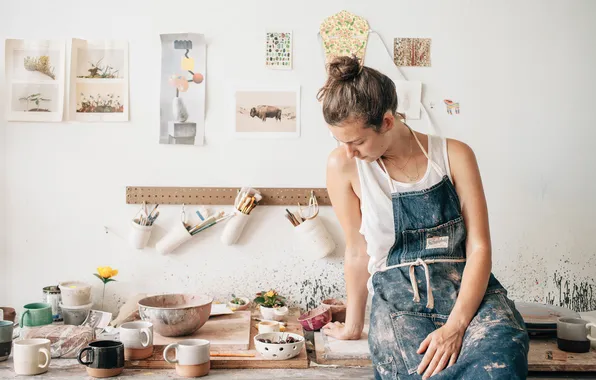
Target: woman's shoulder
458 150
338 161
461 158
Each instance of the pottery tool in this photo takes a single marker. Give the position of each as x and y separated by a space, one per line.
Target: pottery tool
144 218
247 199
231 355
292 218
312 208
209 222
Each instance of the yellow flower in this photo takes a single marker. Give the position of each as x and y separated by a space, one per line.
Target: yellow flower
270 294
107 272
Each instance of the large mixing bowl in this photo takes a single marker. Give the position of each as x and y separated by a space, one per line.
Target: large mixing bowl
175 314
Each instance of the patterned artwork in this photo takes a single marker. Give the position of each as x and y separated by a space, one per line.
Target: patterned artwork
344 34
278 50
411 52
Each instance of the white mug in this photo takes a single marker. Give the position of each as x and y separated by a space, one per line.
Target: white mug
188 352
136 335
26 356
268 327
192 357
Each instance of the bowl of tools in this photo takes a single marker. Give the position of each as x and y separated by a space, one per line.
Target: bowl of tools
175 314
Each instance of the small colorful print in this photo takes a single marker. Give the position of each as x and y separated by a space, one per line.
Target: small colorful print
411 52
278 53
452 107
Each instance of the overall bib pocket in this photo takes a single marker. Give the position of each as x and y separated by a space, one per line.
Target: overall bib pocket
410 330
436 242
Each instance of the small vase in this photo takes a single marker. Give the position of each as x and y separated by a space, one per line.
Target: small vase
179 110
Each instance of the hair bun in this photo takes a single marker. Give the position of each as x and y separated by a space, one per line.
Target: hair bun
344 68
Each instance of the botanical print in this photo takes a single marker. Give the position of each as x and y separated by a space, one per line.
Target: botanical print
266 113
40 64
278 50
34 98
34 80
182 96
344 34
411 51
99 98
99 81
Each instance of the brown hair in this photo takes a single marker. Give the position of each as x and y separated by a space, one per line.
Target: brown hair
356 91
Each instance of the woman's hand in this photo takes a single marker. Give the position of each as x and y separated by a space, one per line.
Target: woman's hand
442 347
339 331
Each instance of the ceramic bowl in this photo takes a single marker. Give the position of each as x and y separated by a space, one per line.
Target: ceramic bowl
175 314
236 307
273 351
274 313
75 293
75 315
338 309
316 318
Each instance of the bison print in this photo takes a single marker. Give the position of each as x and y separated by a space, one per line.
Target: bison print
267 113
264 112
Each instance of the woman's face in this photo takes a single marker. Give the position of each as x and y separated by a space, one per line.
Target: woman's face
360 142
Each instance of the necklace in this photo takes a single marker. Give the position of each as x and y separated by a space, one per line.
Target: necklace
409 157
402 169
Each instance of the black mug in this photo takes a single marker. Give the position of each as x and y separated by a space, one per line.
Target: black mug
105 358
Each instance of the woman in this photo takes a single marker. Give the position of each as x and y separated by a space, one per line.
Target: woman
414 216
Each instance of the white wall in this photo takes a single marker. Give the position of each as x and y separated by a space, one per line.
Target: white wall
522 71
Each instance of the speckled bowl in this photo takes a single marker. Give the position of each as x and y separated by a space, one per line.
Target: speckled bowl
316 318
176 314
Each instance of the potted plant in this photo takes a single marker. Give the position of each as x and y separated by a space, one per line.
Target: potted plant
272 305
238 303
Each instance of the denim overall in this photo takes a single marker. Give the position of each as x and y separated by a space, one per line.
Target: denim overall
415 294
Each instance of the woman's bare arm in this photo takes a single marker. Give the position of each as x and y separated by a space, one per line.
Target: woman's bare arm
468 184
346 204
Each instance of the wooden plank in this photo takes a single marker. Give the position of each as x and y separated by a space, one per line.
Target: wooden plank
229 332
293 326
221 195
320 356
545 356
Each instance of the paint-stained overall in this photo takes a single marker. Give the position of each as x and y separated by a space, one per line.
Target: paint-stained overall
429 226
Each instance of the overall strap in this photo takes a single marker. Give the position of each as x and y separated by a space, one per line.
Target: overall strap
430 162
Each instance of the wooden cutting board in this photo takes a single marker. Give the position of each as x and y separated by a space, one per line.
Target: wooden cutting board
349 353
256 361
225 333
543 356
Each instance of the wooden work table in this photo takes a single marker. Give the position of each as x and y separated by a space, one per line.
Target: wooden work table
546 363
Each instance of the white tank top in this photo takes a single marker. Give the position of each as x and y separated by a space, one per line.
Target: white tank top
375 203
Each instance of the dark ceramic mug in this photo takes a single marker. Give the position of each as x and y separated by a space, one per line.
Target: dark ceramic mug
105 358
573 334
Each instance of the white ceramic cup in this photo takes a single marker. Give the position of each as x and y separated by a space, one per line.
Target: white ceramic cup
188 352
268 327
139 235
31 356
136 335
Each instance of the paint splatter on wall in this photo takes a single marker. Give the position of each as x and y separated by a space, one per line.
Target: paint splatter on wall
575 296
